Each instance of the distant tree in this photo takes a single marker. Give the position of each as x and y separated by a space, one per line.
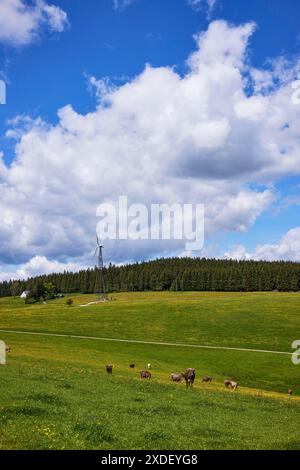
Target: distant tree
49 291
15 288
38 292
176 274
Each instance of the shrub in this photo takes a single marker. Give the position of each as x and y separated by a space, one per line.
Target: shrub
30 300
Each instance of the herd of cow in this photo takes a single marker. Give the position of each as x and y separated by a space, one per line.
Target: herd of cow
188 376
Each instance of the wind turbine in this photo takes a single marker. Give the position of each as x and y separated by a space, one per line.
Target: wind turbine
99 281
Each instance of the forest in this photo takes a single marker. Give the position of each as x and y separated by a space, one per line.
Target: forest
170 274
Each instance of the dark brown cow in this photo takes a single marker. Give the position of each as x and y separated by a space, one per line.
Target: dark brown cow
207 378
132 366
109 368
145 374
177 377
189 375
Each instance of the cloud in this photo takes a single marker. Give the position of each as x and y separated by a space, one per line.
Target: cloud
199 5
21 24
37 266
237 252
288 249
121 5
203 137
222 45
102 87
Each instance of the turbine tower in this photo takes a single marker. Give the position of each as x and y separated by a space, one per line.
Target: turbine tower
99 282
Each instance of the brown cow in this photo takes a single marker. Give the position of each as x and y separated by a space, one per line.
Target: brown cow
109 368
177 377
290 392
207 378
231 384
145 374
189 375
132 366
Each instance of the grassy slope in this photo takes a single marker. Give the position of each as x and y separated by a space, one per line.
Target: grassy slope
55 393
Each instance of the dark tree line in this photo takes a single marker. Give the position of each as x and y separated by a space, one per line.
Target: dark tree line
175 274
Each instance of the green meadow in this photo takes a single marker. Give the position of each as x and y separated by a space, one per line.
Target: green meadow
56 394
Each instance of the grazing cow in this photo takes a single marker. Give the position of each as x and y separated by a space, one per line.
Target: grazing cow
290 392
177 377
132 366
231 384
8 349
145 374
149 366
207 378
189 375
109 368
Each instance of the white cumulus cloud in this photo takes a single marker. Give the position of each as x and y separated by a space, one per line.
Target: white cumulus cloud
287 249
159 138
36 266
21 23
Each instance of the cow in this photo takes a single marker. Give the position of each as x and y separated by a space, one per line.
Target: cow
149 366
177 377
8 349
290 392
145 374
189 375
109 368
231 384
207 378
132 366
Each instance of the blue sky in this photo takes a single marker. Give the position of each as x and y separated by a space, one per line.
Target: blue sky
47 61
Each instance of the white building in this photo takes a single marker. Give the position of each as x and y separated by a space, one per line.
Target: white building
25 294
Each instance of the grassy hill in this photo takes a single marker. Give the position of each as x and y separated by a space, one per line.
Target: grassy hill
56 394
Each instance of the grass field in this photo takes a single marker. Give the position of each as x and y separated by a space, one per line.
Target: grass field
55 393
